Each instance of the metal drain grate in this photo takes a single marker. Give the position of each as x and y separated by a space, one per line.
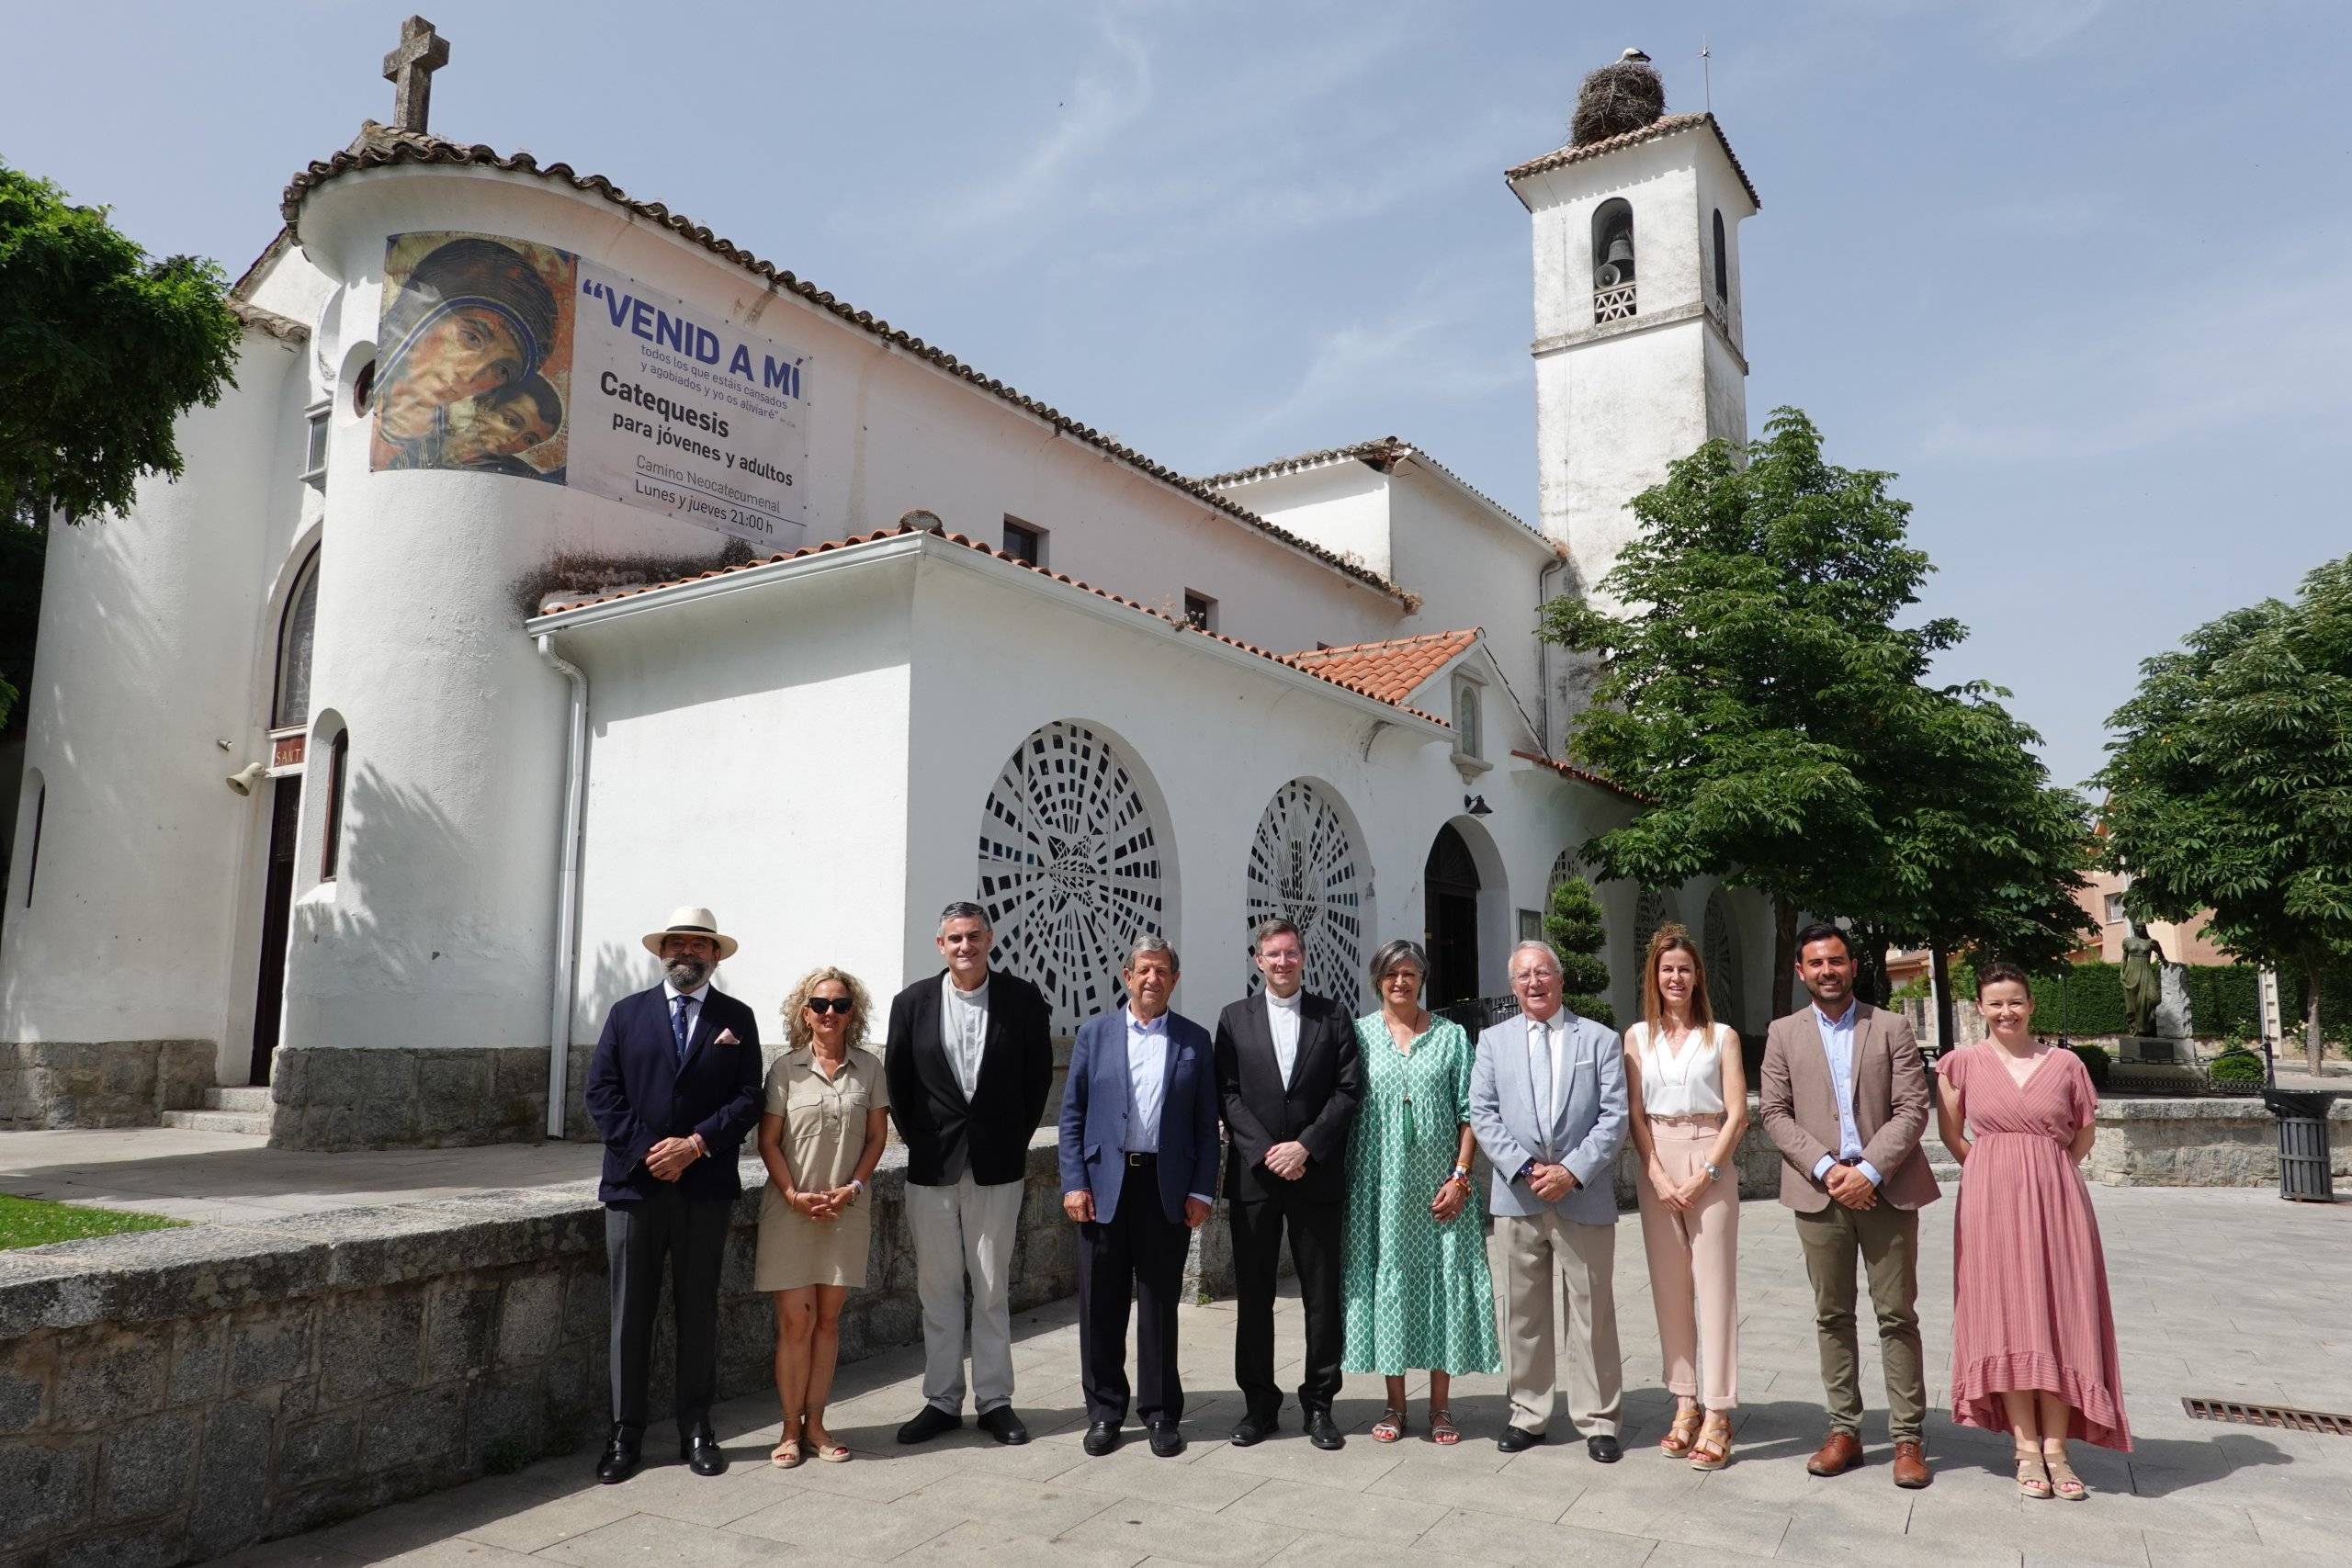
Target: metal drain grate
2268 1416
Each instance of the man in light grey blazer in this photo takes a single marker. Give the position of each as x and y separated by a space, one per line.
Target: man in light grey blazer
1547 1103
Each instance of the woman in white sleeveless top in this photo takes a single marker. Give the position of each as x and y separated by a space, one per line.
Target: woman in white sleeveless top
1688 1091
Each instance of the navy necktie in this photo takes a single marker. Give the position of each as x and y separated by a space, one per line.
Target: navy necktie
678 1030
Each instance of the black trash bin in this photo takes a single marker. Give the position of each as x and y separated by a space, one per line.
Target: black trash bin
2304 1173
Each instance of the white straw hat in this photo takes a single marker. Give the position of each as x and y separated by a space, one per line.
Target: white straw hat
689 920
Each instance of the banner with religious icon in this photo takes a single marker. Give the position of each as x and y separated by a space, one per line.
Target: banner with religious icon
501 356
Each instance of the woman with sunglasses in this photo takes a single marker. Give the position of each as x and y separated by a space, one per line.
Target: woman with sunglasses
820 1136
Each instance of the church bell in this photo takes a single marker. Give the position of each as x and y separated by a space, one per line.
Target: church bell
1617 265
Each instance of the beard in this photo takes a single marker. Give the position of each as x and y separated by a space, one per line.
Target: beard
685 973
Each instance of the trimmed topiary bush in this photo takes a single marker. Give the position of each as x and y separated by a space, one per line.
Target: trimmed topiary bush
1573 927
2235 1067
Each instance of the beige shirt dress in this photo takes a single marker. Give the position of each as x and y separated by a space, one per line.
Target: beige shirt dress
824 1134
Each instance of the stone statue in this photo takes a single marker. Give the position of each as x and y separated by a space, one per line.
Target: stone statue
2143 981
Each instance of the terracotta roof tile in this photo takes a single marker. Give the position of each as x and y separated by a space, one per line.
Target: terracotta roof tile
1658 130
1346 678
381 147
1586 775
1390 671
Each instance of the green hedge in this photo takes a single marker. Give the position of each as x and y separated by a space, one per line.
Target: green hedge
2224 1000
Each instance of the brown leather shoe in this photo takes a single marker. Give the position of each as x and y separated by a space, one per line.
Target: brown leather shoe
1839 1452
1911 1470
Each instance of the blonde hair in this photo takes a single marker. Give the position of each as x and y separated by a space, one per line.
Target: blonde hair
797 1032
1672 938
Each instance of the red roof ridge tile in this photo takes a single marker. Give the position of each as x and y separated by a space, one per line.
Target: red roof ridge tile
1584 774
1658 130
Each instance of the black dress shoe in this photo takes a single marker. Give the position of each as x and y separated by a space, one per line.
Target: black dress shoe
701 1451
928 1422
1167 1439
1516 1439
1603 1448
1252 1430
624 1453
1322 1431
1101 1437
1003 1425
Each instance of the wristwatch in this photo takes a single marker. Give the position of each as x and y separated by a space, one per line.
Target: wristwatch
1711 1171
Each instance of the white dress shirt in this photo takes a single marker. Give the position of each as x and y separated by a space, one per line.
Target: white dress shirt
1147 1085
1281 1022
964 1030
1837 1047
669 995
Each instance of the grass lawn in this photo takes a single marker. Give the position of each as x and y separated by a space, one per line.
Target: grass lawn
33 1221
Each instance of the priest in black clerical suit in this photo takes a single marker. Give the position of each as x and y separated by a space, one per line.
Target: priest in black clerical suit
1288 1077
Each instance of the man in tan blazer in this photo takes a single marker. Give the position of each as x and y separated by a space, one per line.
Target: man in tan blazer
1845 1095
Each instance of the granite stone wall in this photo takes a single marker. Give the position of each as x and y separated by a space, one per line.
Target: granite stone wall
172 1396
2200 1143
422 1097
100 1083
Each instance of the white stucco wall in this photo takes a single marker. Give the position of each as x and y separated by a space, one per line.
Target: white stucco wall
151 685
1616 403
1342 506
750 753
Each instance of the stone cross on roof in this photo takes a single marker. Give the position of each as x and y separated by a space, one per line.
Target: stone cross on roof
410 69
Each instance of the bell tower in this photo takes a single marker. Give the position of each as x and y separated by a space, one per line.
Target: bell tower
1638 305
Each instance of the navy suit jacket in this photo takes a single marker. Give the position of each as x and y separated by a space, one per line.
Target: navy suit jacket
1095 1110
639 1093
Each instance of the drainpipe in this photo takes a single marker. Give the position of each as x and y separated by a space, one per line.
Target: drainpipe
567 908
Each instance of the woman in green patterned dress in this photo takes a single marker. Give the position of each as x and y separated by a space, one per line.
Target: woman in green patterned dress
1413 1273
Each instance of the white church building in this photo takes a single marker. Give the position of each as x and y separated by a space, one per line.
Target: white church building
556 561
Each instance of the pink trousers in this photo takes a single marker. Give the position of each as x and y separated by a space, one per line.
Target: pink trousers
1694 1266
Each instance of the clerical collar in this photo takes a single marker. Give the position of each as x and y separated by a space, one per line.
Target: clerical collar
1290 1001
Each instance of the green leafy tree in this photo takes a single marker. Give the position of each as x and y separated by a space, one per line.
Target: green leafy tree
1758 690
1982 855
1756 674
101 350
1573 925
2230 784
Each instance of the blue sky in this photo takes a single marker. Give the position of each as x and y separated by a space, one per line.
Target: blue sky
2078 271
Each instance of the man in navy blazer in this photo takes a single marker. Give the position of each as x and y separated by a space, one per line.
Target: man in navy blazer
1138 1157
674 1088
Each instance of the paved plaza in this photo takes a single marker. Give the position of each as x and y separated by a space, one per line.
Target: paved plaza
2230 1293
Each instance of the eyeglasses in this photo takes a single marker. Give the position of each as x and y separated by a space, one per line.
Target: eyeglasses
822 1005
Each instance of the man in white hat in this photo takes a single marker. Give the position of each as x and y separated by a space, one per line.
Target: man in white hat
674 1088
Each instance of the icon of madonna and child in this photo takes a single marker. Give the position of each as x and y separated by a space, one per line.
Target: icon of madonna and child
475 356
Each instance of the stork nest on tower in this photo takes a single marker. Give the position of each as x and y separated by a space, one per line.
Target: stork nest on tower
1616 99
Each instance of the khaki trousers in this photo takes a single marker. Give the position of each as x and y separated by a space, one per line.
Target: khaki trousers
960 1231
1887 1240
1694 1266
1536 1248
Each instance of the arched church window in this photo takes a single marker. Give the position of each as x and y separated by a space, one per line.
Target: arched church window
1306 867
1468 740
1613 260
1722 263
37 787
330 836
292 704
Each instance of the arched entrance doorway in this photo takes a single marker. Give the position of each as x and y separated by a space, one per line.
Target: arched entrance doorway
1450 918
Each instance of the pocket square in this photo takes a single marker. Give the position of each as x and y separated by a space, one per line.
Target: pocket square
726 1037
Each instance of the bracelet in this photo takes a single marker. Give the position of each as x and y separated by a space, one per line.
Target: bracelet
856 1186
1461 1173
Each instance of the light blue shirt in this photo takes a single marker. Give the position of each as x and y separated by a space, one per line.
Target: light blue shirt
694 1000
1838 1046
1147 1085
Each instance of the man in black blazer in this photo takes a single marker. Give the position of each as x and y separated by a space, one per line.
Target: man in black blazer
969 1060
673 1089
1288 1076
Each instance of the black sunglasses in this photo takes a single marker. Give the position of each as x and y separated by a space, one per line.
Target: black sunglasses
830 1004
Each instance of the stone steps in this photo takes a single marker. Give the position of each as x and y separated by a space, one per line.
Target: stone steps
247 1100
255 1123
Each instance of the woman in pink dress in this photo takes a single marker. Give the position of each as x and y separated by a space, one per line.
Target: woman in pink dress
2032 1333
